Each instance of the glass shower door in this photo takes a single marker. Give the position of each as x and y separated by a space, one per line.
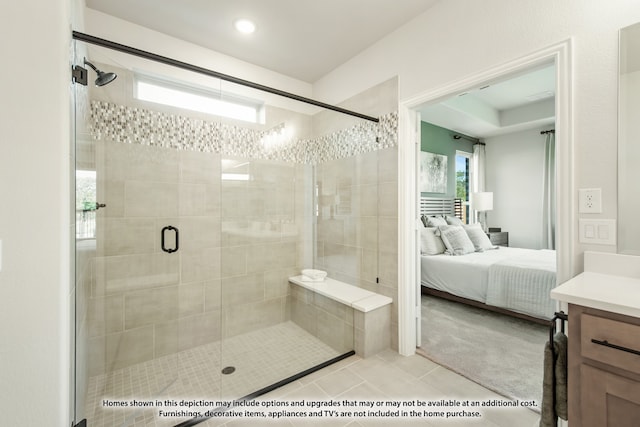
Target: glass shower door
263 218
128 267
189 226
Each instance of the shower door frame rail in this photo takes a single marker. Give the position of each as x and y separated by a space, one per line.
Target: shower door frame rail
195 421
211 73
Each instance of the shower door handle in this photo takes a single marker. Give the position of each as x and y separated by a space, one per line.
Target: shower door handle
162 234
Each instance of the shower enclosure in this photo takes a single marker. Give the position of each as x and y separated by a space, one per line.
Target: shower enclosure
196 199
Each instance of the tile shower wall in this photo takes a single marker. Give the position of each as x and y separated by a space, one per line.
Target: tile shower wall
388 233
357 214
357 223
240 238
330 321
262 240
132 125
239 242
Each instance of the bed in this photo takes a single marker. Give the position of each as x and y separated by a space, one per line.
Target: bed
514 281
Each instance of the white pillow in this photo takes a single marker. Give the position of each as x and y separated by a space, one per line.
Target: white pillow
453 220
435 221
456 240
430 244
479 238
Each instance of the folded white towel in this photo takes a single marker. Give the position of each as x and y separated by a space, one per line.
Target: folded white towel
311 275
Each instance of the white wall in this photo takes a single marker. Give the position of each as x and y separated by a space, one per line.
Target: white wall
514 174
458 38
120 31
34 213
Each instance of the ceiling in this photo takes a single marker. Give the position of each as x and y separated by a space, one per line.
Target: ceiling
304 39
514 103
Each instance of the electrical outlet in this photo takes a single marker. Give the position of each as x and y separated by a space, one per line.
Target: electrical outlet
590 200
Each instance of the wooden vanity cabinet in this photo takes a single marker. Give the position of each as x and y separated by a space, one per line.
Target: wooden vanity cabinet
604 368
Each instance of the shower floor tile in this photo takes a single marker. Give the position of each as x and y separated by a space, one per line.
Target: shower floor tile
260 358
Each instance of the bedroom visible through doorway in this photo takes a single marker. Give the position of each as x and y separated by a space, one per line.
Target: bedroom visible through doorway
485 270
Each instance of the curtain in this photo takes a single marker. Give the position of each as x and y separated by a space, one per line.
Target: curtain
549 193
479 167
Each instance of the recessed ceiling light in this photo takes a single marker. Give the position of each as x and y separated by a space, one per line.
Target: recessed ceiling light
245 26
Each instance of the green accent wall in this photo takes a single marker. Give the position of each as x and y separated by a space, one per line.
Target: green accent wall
435 139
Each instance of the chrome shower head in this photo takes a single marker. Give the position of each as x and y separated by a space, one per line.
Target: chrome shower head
103 78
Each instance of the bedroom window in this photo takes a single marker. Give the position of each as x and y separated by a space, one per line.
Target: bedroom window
463 181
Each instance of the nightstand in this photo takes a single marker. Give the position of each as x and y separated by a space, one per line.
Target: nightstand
499 238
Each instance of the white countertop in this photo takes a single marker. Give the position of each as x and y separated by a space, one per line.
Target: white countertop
616 294
610 282
353 296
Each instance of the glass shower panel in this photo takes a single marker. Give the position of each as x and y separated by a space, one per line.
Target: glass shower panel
148 253
260 241
192 215
266 236
347 186
132 286
273 329
347 220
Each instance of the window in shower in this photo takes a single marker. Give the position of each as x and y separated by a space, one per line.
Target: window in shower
198 99
86 204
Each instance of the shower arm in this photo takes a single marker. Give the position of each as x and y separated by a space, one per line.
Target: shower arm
93 67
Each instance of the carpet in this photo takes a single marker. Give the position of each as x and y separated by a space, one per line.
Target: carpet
499 352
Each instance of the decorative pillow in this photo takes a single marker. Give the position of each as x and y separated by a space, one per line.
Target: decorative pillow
423 218
435 221
453 220
456 240
479 238
430 244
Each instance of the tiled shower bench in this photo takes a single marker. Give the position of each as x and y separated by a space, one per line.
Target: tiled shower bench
343 316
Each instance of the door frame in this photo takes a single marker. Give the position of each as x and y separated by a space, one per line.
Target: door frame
560 54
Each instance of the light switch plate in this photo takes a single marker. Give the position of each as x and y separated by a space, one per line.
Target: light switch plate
597 231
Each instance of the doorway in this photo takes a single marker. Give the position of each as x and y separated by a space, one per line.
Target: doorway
559 55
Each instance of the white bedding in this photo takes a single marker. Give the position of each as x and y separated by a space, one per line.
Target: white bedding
512 278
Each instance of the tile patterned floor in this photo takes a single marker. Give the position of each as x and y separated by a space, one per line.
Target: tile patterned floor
387 377
383 378
261 358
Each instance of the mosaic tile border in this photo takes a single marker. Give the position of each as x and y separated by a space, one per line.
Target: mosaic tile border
124 124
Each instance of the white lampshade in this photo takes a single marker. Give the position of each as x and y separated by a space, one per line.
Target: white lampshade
482 201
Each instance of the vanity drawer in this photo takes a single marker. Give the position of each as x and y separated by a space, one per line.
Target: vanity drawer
612 342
